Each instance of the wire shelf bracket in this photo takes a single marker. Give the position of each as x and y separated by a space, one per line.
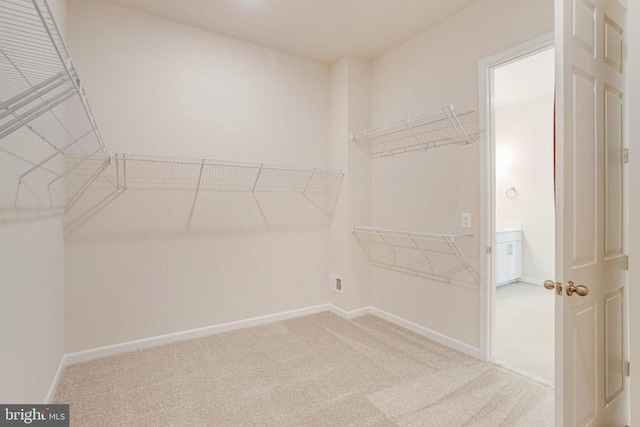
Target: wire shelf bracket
436 256
444 126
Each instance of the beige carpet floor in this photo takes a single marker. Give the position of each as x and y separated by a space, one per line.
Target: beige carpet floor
318 370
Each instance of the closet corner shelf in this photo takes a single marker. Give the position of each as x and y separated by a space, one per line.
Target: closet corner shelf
437 256
39 86
444 126
40 89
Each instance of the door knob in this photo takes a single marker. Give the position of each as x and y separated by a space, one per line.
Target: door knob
581 290
551 285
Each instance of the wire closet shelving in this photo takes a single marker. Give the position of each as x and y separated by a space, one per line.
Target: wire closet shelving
444 126
40 90
437 256
188 193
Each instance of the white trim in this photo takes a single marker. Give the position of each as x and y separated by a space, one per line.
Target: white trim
487 183
533 377
54 384
100 352
349 314
129 346
125 347
428 333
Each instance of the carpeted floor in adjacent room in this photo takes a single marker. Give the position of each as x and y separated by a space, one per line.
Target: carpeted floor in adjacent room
317 370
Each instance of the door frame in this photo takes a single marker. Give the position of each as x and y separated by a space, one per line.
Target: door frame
487 183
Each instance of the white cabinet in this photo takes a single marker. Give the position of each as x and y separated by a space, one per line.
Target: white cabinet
508 256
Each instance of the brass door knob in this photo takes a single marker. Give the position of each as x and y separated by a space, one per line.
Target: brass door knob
580 290
549 284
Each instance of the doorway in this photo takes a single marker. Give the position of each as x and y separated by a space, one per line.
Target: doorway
520 231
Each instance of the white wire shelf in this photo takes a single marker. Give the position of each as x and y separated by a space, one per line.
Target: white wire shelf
196 193
442 127
437 256
41 91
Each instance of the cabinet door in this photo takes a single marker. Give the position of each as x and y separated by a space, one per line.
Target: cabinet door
515 261
502 260
512 264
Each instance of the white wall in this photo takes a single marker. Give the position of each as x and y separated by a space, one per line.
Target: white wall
430 191
524 160
31 262
159 87
350 112
633 98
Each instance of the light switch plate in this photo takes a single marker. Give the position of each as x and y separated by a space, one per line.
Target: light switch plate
466 220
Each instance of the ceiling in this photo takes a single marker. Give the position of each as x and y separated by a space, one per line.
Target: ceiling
320 30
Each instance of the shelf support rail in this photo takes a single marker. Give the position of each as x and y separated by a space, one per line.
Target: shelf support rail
42 163
304 193
395 254
195 197
71 169
465 262
51 157
455 122
426 257
87 184
253 193
121 162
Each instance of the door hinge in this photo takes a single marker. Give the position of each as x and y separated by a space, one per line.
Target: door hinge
488 249
627 368
625 155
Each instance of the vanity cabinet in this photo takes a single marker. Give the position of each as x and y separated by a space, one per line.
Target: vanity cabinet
508 256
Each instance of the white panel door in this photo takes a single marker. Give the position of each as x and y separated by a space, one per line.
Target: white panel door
590 330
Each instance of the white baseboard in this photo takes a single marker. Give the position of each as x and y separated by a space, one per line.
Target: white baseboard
125 347
428 333
56 379
531 280
349 314
533 377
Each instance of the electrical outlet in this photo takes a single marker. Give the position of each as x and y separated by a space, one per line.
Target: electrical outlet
466 220
335 283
